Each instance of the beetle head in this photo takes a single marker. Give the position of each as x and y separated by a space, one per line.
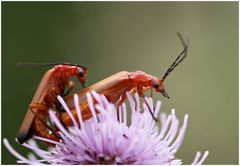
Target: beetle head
81 75
157 84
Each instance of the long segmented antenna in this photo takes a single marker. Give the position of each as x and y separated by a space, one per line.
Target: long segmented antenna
46 64
180 57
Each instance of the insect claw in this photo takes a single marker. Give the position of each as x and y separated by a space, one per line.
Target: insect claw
155 119
150 110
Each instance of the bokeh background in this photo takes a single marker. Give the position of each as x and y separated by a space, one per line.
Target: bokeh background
109 37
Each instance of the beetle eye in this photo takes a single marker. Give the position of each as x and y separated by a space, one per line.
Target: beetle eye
80 73
156 86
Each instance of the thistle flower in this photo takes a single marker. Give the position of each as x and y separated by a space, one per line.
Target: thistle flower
105 140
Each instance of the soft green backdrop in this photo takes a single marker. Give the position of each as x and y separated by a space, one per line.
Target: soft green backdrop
108 37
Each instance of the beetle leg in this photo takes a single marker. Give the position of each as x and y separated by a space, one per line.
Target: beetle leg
41 129
53 102
140 90
40 126
151 92
141 94
34 107
132 91
70 86
59 107
60 110
49 99
150 110
40 113
147 88
123 98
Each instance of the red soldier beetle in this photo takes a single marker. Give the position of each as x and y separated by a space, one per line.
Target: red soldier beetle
116 86
53 83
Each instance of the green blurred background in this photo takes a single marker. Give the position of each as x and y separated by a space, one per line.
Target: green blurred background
109 37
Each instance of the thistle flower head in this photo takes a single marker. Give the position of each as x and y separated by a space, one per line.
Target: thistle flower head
106 139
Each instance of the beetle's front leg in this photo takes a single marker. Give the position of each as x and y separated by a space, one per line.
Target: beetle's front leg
141 94
140 90
70 86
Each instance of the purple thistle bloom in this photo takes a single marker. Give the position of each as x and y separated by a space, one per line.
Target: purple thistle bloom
105 140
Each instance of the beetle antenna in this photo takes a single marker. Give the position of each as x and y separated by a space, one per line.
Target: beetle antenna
180 57
46 64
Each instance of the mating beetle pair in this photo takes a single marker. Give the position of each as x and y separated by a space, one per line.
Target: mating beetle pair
57 80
